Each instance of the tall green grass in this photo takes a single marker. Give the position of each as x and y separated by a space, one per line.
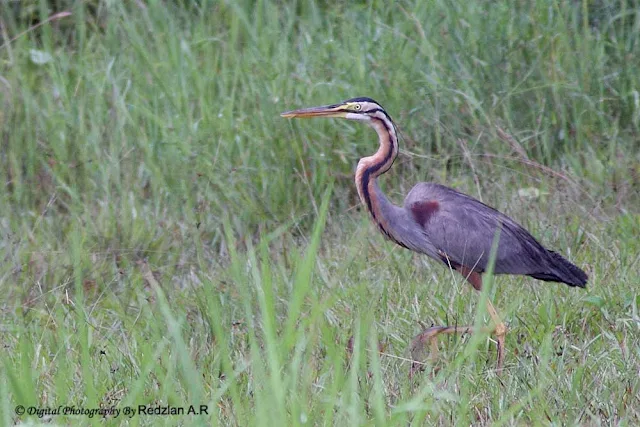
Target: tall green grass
167 239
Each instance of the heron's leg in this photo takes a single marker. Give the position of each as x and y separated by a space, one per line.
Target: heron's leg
500 331
475 279
430 336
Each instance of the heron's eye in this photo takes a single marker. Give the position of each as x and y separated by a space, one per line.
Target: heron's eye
357 107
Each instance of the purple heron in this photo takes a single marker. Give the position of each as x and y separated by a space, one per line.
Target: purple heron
444 224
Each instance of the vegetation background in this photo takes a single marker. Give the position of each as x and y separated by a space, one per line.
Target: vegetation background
167 239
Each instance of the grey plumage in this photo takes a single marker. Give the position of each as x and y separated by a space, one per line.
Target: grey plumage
462 229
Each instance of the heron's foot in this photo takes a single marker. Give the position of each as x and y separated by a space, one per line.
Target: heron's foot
500 331
430 336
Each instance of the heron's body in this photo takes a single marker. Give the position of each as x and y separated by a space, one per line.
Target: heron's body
459 230
443 223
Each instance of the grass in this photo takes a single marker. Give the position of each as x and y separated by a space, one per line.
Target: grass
168 240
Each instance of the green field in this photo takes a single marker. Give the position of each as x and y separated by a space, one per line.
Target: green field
167 239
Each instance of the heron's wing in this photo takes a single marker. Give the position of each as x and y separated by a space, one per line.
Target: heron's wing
462 230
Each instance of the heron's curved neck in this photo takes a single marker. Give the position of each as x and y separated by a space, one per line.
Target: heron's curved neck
370 168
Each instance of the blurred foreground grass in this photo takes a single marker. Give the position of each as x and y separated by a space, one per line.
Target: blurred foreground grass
167 239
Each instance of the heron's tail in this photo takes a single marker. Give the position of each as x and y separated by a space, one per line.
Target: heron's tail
561 270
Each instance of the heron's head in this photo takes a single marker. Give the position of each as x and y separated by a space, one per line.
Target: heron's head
363 109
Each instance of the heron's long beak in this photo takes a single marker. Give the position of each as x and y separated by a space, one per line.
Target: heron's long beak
336 110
